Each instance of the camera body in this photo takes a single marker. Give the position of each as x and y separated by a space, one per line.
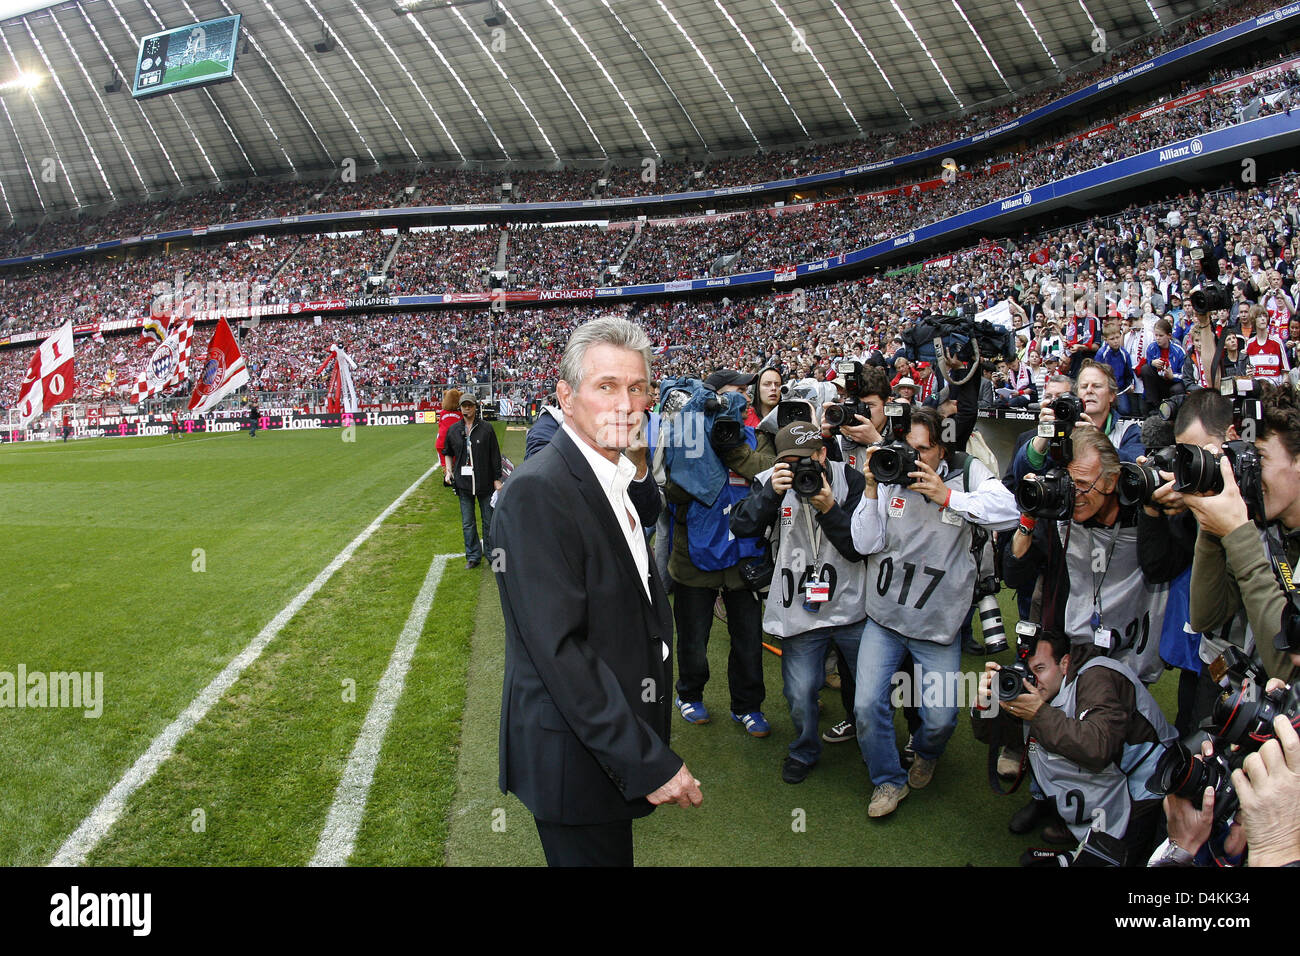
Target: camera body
1213 295
1137 483
808 478
894 459
844 413
1196 471
1010 677
1050 495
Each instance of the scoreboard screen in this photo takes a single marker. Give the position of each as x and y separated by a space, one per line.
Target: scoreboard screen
186 56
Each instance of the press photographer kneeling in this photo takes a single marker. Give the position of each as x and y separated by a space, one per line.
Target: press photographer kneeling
1094 735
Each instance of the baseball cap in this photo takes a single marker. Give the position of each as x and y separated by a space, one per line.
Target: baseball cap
798 439
468 399
729 376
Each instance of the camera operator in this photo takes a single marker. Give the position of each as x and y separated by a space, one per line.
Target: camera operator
701 535
864 428
1231 567
1097 391
1077 535
818 581
1094 735
915 526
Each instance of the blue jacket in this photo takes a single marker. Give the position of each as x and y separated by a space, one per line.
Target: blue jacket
1120 364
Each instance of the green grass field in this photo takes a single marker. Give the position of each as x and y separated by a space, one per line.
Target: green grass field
156 562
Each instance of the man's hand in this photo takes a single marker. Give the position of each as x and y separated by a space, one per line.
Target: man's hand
1268 785
782 478
1026 705
926 481
824 500
683 789
1165 498
863 433
1223 513
1189 827
984 696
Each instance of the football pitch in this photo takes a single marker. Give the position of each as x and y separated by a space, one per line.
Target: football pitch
272 675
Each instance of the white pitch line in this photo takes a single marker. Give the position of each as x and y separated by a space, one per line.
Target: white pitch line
340 833
93 829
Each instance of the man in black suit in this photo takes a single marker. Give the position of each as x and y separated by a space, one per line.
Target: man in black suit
588 672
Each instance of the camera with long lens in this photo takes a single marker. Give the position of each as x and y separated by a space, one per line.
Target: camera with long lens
1168 408
1213 295
807 478
986 603
1244 717
1050 495
1010 677
894 459
844 412
1196 471
1185 772
1137 483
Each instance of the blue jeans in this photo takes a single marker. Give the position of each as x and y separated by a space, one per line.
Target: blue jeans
879 655
803 671
473 551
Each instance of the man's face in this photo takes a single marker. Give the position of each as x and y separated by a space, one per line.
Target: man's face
1281 474
1090 490
926 450
876 411
769 389
469 410
606 409
1049 674
1115 340
1094 392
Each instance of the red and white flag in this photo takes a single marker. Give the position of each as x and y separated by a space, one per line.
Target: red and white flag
49 377
168 365
222 372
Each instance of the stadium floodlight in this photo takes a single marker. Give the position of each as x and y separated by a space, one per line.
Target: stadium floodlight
23 81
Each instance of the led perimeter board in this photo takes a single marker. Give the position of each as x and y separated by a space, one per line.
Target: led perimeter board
186 56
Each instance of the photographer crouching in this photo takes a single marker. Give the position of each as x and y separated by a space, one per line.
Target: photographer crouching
819 580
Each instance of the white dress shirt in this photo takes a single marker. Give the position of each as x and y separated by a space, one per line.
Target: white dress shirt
614 480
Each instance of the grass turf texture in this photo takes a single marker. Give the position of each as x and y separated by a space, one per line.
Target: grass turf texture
121 517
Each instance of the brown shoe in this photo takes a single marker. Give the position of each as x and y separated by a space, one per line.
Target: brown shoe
885 799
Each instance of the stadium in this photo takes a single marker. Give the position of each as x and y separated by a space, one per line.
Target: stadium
246 624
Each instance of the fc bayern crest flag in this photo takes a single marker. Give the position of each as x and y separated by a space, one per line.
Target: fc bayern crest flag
167 366
49 377
222 372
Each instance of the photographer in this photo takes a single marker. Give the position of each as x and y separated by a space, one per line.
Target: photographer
915 526
866 411
706 562
1077 535
818 582
1097 392
1094 735
1231 567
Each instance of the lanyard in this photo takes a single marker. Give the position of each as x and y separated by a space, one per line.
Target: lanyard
1098 582
814 535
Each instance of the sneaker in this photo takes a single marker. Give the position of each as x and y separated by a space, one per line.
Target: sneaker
756 724
841 732
885 799
922 772
693 710
1008 764
471 565
795 771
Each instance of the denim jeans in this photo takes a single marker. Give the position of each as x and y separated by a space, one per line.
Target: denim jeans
803 673
879 655
473 552
693 615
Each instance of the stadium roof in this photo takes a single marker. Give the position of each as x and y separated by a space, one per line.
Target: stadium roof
401 82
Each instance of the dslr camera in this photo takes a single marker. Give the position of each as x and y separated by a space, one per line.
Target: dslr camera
1011 676
843 413
1213 295
1196 472
807 478
894 459
1137 483
1051 494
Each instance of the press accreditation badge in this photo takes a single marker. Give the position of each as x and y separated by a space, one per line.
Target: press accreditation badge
817 592
1102 637
467 471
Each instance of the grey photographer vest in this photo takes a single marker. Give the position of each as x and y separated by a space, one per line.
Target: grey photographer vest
1126 601
1104 801
855 455
922 582
803 553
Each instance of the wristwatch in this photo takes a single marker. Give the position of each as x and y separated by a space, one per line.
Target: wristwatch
1170 853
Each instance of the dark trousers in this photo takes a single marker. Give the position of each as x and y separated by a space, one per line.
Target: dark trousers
693 614
473 550
1156 388
598 844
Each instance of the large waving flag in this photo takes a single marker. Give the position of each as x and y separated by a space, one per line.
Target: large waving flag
223 371
49 377
167 366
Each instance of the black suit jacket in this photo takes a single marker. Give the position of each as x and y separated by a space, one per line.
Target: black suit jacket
585 705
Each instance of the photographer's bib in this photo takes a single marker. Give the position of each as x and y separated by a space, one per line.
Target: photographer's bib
922 582
803 557
1106 580
1089 800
